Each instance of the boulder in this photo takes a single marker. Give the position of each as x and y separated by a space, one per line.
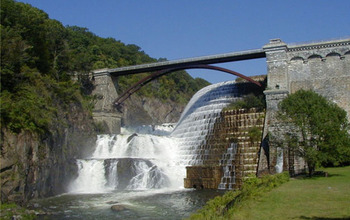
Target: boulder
118 208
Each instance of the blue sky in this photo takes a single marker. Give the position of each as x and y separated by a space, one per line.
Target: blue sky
189 28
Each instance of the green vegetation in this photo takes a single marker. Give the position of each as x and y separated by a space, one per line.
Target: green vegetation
249 101
318 197
224 207
10 211
39 56
35 83
254 134
319 131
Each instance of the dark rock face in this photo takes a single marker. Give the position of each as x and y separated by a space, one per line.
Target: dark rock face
131 137
146 111
34 166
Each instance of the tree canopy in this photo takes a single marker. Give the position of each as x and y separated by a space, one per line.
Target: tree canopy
319 129
39 56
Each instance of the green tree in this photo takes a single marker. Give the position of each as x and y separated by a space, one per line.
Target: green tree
319 129
249 101
39 55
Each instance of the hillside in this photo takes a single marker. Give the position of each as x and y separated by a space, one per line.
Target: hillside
38 56
46 116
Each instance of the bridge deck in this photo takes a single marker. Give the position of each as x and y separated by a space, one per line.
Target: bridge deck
219 58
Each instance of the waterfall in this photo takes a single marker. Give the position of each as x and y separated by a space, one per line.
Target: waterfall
198 120
151 157
130 161
227 162
91 176
279 162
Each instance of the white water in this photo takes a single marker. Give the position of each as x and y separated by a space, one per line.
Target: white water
228 179
199 117
148 157
279 162
150 161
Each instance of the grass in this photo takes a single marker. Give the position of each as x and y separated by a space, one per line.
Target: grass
274 197
222 207
304 198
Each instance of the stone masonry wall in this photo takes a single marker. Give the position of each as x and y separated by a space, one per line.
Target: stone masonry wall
105 92
323 67
232 127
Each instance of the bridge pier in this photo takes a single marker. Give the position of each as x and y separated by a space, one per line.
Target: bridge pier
105 114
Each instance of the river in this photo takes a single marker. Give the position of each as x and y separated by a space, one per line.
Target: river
151 204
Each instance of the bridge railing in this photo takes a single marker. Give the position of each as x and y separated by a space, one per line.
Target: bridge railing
218 58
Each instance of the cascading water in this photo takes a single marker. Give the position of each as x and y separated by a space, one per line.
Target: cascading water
279 162
228 179
130 161
198 120
124 168
148 157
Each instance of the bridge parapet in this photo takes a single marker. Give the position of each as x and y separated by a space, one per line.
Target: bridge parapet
211 59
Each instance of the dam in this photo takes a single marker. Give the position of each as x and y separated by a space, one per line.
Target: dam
208 148
211 147
322 66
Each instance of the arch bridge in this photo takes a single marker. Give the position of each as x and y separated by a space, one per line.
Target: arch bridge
165 67
322 66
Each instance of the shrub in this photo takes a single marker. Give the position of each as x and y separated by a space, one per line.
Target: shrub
248 101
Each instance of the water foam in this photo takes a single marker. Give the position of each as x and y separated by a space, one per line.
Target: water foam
199 117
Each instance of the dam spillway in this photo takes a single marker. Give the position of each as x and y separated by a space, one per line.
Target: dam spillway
232 151
198 120
208 148
217 145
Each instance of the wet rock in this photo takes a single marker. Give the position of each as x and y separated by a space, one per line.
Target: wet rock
118 208
33 166
131 137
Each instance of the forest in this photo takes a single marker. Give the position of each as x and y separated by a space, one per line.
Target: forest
40 56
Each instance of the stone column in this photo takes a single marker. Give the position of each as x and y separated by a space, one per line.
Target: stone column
105 114
277 90
277 68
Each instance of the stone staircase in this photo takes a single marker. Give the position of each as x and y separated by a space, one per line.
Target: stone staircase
230 152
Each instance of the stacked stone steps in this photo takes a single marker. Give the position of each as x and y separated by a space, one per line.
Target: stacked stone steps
231 127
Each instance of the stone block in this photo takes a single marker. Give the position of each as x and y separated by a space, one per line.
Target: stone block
108 121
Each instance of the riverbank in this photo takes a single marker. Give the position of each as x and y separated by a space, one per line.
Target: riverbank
319 197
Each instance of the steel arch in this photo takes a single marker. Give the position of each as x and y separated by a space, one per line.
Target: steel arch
134 88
